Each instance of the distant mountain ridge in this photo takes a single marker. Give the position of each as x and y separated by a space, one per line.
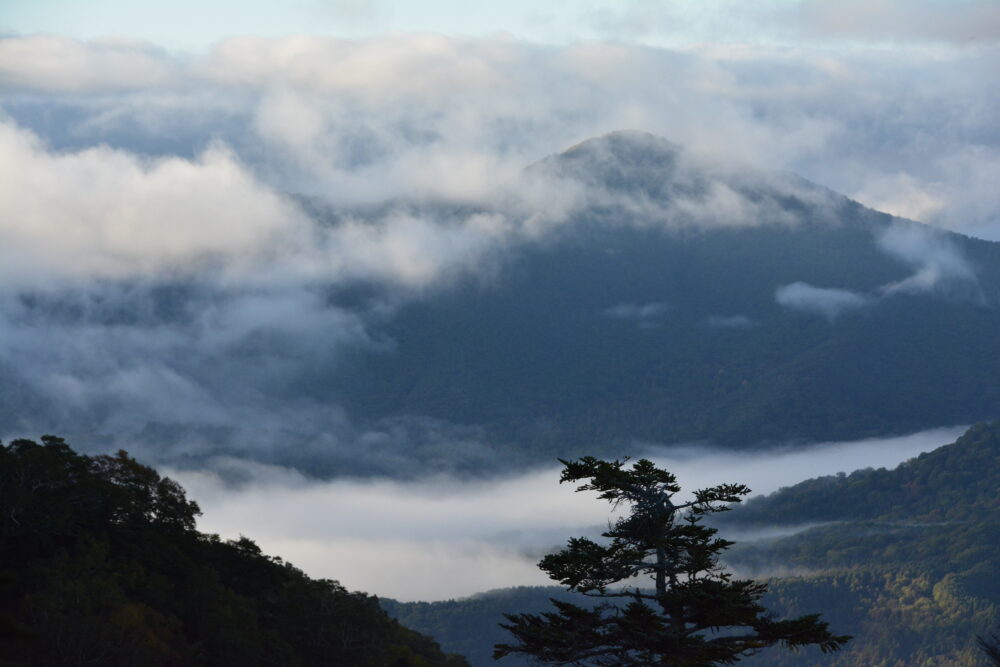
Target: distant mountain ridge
665 329
648 295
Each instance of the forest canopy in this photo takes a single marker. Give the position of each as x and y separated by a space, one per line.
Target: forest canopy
100 563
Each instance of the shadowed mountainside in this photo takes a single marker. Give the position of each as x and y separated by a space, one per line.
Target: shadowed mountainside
654 314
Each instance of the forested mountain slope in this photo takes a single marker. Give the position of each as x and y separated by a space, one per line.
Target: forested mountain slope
908 567
100 564
790 316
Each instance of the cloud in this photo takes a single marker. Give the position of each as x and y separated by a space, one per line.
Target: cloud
938 262
630 177
939 266
960 189
643 313
364 120
183 304
829 302
901 195
117 360
56 64
440 537
188 371
107 214
410 249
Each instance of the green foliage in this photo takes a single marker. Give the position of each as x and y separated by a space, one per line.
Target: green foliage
102 565
957 482
695 615
909 567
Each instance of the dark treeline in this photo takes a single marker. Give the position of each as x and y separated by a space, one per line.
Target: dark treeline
100 563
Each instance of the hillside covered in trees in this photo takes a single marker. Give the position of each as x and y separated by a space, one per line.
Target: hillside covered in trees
100 563
904 560
907 561
652 326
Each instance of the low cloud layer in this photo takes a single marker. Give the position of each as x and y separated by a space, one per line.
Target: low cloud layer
438 537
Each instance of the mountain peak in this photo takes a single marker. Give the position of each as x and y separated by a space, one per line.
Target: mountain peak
628 150
625 145
635 175
624 161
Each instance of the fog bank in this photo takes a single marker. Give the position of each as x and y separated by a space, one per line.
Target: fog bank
441 537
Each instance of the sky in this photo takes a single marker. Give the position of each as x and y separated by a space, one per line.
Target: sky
192 26
145 144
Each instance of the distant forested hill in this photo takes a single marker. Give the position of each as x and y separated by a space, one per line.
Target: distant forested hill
100 564
470 626
909 565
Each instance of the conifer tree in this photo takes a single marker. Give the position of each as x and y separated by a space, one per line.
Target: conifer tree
665 599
